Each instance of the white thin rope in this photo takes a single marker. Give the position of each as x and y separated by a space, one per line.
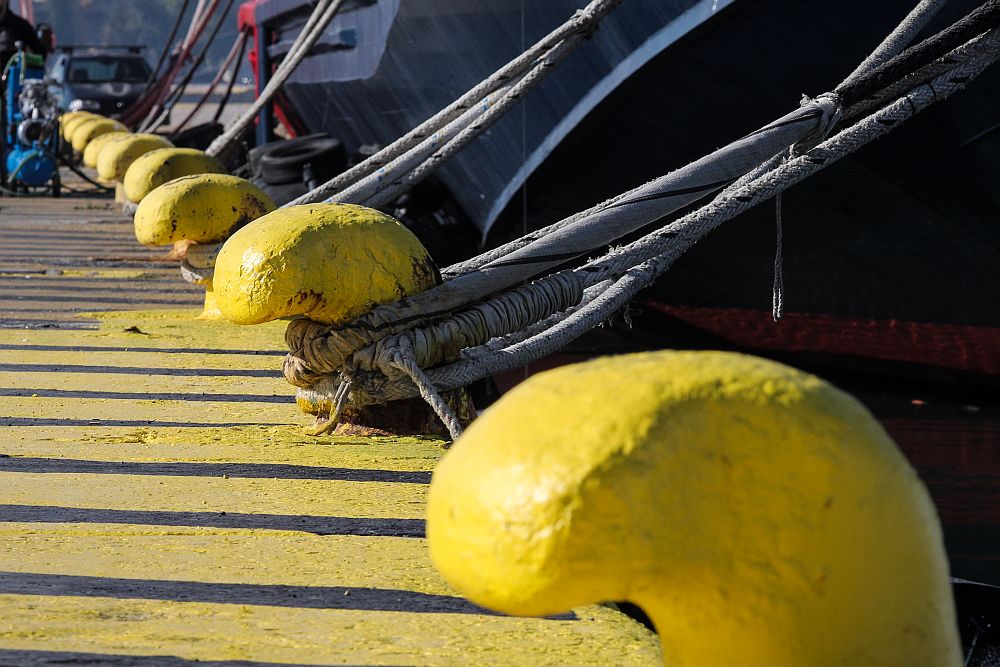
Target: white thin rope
582 21
659 250
898 39
778 290
318 21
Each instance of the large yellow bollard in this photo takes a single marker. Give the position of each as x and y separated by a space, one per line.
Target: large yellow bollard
92 128
202 209
160 166
328 262
760 516
115 158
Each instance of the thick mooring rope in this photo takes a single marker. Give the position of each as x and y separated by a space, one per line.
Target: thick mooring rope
385 175
139 112
318 21
697 224
582 23
389 183
637 264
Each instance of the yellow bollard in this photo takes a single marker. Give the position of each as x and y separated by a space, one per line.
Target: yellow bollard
95 145
115 158
202 209
760 516
160 166
70 124
328 262
92 128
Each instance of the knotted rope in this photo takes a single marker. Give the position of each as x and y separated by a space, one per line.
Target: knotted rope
628 269
318 349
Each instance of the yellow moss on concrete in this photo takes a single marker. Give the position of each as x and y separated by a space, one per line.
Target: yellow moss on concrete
760 516
329 262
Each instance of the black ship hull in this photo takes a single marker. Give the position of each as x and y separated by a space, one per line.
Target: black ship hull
890 255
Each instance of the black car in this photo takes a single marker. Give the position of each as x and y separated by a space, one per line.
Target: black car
98 79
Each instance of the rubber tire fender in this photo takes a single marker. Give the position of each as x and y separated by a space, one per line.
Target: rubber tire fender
284 163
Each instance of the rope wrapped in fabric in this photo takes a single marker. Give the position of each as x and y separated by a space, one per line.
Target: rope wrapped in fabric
639 263
328 349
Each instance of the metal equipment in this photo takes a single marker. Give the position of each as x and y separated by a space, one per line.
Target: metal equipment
29 127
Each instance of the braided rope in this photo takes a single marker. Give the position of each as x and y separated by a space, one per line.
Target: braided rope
635 209
897 40
982 19
320 18
923 75
655 253
404 360
583 21
317 350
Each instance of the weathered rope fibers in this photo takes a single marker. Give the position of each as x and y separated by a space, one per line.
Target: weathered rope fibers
583 22
412 157
320 18
700 222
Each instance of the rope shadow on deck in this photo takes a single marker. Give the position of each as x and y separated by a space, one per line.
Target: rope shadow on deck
153 350
30 658
133 370
347 598
317 525
138 299
147 396
43 421
30 464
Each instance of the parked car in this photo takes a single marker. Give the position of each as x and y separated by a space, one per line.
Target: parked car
104 80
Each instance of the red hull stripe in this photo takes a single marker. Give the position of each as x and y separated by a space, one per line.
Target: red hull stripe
967 348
